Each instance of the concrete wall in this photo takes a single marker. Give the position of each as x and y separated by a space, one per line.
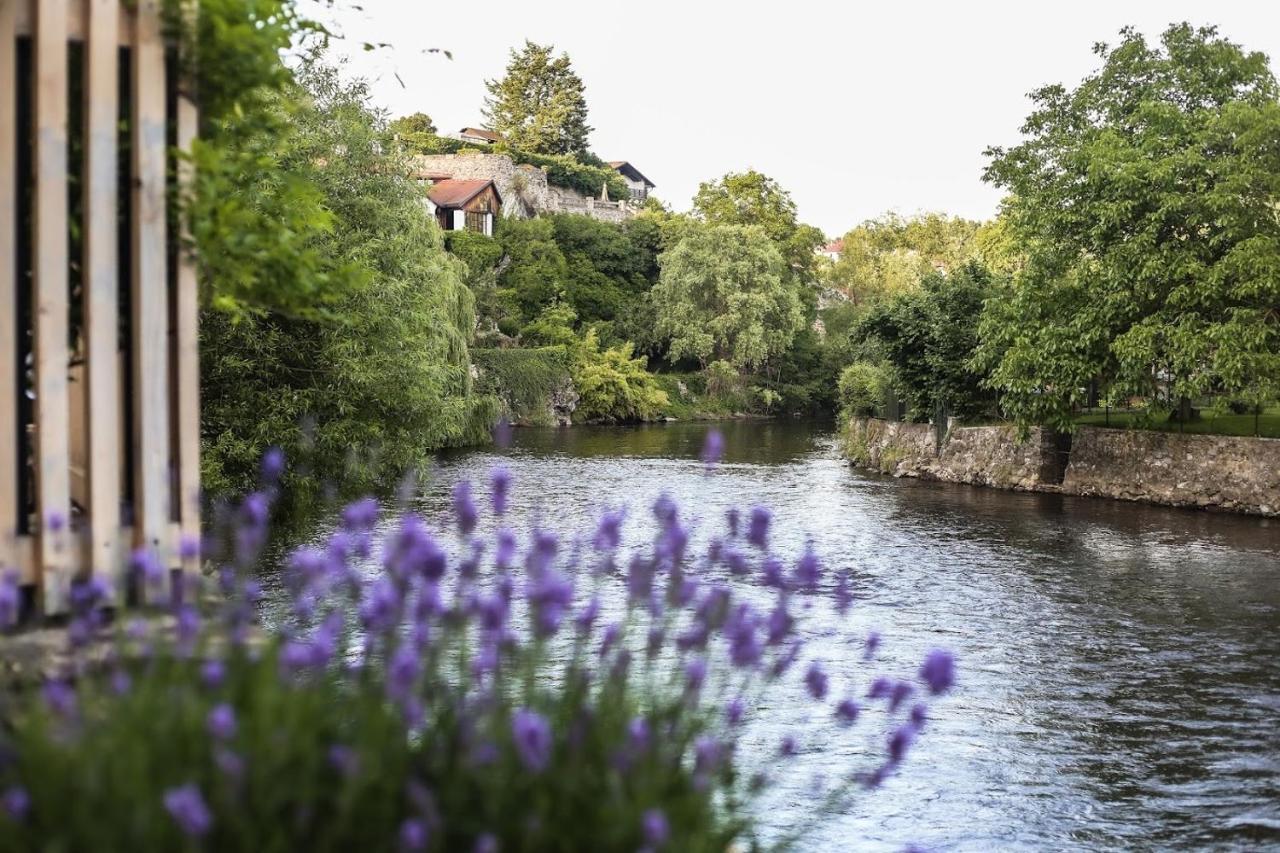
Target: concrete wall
1237 474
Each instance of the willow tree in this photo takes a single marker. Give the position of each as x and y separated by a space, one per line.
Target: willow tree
1146 204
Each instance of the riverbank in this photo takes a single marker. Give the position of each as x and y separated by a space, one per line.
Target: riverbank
1230 473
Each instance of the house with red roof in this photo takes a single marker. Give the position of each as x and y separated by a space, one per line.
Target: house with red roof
464 205
832 251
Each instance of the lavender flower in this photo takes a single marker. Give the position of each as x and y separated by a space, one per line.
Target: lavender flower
221 721
734 710
847 711
272 465
147 566
880 688
919 716
638 734
187 807
873 643
899 742
60 697
360 515
788 747
712 447
499 489
695 673
655 827
505 554
532 736
758 527
733 518
900 693
608 531
16 802
808 569
344 759
843 593
588 615
486 843
413 835
938 671
10 599
464 506
815 680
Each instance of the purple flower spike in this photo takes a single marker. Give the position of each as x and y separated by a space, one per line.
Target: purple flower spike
221 722
734 520
815 679
532 735
16 801
872 644
147 566
360 515
56 522
938 671
808 569
919 716
499 489
734 711
487 843
788 746
272 465
60 697
847 711
712 448
899 743
10 599
655 827
464 506
413 835
900 693
843 593
187 807
880 688
758 526
695 673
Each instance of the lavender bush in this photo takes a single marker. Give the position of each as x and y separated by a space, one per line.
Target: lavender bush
502 699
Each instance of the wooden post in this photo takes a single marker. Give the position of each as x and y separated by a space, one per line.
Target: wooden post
187 330
53 476
150 292
10 467
101 291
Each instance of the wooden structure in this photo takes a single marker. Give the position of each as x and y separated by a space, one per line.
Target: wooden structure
99 413
470 205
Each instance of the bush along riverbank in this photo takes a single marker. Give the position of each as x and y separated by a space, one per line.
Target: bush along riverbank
1232 473
520 696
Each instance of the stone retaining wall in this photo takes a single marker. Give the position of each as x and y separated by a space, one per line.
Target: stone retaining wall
1225 472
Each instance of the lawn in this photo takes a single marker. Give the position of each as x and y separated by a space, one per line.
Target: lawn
1267 424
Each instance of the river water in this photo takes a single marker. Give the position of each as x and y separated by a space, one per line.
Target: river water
1119 677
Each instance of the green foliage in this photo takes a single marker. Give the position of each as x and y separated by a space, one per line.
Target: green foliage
570 173
536 270
863 389
754 199
414 123
725 294
430 143
613 386
479 252
539 105
928 337
552 327
1144 202
890 255
365 391
524 380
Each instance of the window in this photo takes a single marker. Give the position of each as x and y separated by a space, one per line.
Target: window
637 193
476 221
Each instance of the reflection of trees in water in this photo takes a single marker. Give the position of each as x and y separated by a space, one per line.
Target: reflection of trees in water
756 441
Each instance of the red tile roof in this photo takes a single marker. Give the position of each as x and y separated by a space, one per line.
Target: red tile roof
453 193
835 246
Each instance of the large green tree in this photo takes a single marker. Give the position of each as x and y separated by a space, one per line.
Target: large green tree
1145 205
755 199
539 105
725 294
893 254
414 123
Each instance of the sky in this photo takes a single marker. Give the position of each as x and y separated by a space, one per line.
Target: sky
855 108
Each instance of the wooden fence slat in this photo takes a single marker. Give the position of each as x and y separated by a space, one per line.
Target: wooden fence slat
77 25
187 332
9 467
53 479
101 291
150 289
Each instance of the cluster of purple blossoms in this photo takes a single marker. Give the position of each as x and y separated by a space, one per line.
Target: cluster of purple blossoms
418 616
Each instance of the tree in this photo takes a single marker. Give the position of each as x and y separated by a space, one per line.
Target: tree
928 335
535 270
415 123
1144 204
366 389
892 254
755 199
539 105
725 294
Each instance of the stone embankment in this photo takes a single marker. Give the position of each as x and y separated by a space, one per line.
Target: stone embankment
1207 471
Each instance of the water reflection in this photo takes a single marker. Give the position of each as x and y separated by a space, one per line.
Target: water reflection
1120 677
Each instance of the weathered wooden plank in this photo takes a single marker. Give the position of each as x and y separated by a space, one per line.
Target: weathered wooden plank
53 477
150 289
9 390
103 397
187 350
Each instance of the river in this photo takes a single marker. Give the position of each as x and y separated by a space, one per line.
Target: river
1119 664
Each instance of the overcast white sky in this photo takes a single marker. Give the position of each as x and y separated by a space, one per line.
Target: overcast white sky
856 108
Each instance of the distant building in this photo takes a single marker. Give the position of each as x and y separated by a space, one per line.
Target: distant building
636 182
479 136
460 205
832 251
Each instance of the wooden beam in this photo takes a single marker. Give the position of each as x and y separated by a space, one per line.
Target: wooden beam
10 467
77 21
53 474
187 314
150 290
103 398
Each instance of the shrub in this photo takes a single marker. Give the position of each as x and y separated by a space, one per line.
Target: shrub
613 386
426 702
863 387
525 380
479 252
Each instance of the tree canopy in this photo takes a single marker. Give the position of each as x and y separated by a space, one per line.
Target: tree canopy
893 254
539 105
414 123
754 199
725 294
1144 203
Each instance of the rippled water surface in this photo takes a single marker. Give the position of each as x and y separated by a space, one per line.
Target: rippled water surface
1120 664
